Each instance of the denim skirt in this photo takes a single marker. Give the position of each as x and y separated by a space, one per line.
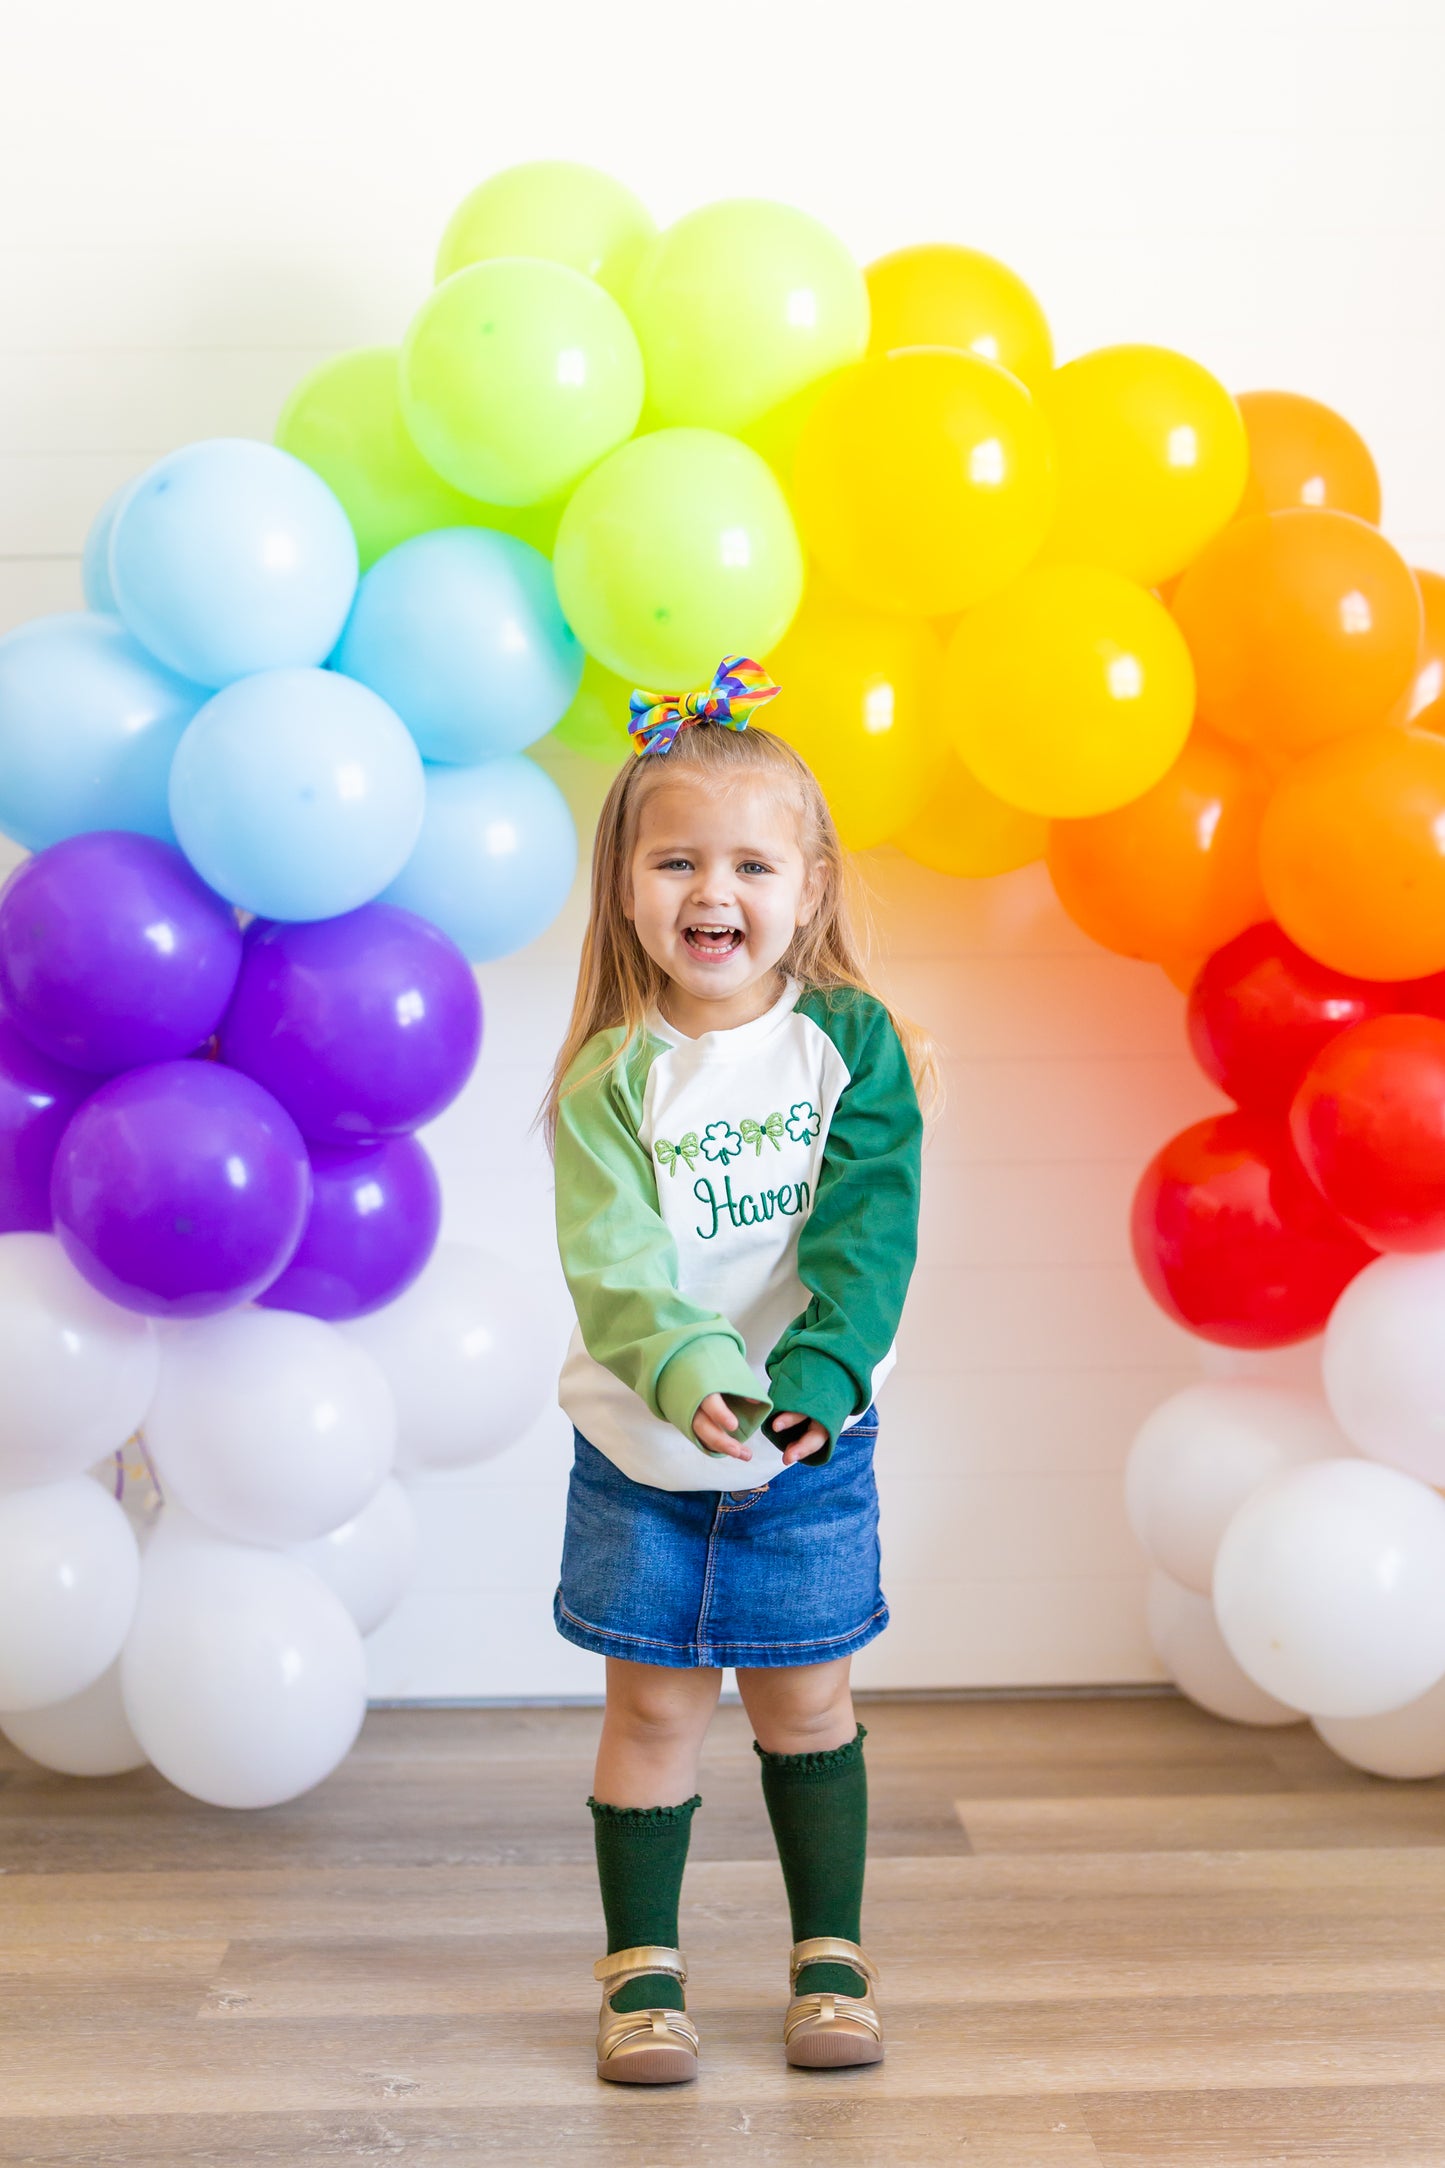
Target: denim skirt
785 1574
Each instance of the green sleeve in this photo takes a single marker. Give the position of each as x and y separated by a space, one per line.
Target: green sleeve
620 1261
856 1249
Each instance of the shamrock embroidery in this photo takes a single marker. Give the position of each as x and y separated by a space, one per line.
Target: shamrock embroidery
668 1155
721 1142
756 1133
804 1122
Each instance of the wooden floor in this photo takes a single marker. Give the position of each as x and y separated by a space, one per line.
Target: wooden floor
1111 1932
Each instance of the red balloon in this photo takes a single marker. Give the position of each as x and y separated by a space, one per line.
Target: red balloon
1369 1124
1233 1241
1261 1009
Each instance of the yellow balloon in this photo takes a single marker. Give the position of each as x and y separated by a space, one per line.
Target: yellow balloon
964 830
1070 694
924 481
939 295
859 701
1152 458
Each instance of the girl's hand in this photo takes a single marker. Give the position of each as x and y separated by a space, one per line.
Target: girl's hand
807 1442
712 1425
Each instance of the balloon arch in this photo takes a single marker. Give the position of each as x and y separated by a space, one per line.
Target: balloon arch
275 787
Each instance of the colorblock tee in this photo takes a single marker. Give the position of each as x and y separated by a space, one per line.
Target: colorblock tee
737 1214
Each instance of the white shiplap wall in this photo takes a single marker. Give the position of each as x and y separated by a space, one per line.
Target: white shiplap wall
196 204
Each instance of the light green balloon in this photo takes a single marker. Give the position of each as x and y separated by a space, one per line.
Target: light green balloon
739 306
676 551
516 377
596 722
344 420
567 213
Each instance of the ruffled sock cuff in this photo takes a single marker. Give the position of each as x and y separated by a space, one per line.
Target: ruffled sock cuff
815 1767
662 1816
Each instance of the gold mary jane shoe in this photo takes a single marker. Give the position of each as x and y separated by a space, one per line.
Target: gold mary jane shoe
643 2047
825 2031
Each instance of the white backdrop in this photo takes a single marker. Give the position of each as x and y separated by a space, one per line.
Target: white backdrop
196 204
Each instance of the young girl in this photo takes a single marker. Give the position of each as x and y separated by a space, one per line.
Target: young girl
736 1133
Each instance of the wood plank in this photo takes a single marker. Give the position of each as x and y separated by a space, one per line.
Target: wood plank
1173 1943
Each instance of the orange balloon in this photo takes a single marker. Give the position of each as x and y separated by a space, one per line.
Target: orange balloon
940 295
1352 854
964 830
1174 873
1182 972
1303 626
860 703
1423 701
1302 453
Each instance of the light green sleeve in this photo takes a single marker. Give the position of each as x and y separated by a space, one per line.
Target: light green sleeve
856 1249
620 1260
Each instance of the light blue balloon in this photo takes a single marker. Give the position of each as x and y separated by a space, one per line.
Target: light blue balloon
95 558
89 723
297 794
495 858
229 557
461 631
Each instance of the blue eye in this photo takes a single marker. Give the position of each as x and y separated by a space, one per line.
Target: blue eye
754 865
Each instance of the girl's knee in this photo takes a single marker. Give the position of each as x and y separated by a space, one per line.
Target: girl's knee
799 1710
652 1702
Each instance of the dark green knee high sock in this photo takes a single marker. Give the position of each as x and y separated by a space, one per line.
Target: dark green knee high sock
641 1852
818 1806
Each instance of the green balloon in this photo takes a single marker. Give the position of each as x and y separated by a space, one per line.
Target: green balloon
676 551
738 307
596 722
567 213
344 420
516 377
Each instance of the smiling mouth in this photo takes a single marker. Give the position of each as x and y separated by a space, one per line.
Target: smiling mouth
713 940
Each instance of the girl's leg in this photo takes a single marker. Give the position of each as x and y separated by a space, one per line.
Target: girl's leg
816 1790
652 1732
644 1798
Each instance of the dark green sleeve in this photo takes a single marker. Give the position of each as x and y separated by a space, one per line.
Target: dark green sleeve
857 1247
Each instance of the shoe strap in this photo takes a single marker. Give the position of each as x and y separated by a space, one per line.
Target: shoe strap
643 1957
829 1950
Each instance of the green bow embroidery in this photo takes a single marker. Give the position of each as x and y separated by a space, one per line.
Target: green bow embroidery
770 1128
668 1155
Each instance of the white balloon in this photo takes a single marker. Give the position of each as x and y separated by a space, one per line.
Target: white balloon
1188 1643
268 1426
1200 1454
78 1371
1329 1588
1408 1742
244 1678
468 1356
69 1569
368 1562
86 1736
1384 1363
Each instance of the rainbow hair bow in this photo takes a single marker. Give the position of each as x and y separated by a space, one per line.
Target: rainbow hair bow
738 686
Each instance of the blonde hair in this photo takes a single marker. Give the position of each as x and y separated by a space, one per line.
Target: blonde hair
618 982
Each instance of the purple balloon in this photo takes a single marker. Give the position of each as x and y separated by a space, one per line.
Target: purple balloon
180 1189
113 953
363 1026
37 1098
375 1213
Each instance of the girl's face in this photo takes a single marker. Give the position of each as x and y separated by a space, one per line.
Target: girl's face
718 888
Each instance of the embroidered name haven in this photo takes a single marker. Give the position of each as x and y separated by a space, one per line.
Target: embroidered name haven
753 1207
